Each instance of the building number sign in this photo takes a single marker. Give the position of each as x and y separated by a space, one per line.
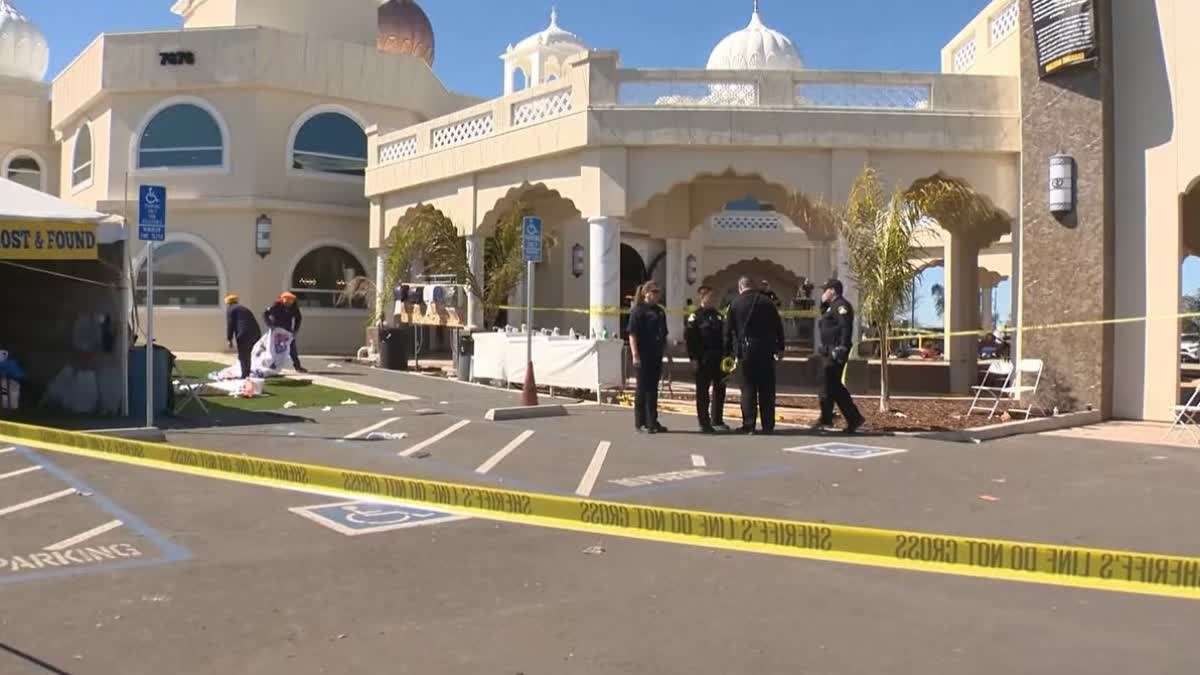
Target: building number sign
177 59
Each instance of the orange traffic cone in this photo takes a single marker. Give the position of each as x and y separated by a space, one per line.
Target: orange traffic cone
529 395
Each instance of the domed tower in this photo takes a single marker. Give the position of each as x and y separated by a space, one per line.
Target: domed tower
404 28
24 54
755 47
540 57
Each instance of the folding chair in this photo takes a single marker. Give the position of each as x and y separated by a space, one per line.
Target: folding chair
191 387
1016 389
1187 416
664 383
994 392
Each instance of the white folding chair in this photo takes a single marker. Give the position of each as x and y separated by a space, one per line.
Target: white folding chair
1017 389
997 370
1187 416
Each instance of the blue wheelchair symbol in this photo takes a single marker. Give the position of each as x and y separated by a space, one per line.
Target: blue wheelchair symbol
355 518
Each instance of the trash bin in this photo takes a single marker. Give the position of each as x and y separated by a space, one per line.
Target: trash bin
395 345
466 349
137 381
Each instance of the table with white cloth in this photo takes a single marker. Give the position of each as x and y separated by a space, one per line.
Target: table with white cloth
558 361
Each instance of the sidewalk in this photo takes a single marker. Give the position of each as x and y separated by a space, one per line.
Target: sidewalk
1141 433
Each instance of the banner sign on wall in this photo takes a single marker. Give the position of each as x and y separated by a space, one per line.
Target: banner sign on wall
33 240
1064 33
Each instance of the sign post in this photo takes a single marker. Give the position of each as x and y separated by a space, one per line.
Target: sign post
531 227
152 227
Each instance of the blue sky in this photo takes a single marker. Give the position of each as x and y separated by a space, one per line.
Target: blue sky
471 34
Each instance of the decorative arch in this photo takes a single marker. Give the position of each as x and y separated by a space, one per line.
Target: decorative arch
783 281
200 244
306 117
135 141
353 251
83 158
525 192
522 83
22 153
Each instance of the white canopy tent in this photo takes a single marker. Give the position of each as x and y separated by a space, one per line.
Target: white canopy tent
64 295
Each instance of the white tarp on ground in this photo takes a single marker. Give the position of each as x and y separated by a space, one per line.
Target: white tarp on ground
269 356
18 202
557 361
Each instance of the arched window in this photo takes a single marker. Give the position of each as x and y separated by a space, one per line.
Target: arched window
184 276
25 170
81 161
520 81
321 276
330 142
183 135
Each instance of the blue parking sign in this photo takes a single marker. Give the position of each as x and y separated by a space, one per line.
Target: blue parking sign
356 518
152 213
531 226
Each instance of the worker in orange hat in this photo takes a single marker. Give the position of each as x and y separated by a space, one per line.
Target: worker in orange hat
285 314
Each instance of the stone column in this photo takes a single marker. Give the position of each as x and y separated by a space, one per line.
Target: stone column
985 306
383 295
962 311
604 274
676 290
475 244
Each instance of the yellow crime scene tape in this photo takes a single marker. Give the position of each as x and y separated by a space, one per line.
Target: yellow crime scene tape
617 311
1098 569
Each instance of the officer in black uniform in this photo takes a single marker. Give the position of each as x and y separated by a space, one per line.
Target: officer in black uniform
647 344
705 333
754 332
837 337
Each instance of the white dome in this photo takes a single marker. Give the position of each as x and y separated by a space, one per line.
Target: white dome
755 47
552 36
23 51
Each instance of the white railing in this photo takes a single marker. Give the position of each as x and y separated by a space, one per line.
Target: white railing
641 93
463 131
864 96
542 108
397 150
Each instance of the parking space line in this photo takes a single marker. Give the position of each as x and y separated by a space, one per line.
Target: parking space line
504 452
35 502
698 461
374 427
8 449
588 482
18 472
84 536
434 439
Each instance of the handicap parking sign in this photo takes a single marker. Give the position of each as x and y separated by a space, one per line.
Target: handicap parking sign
845 450
357 518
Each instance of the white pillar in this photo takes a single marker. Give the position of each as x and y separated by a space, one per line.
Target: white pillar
962 311
475 245
535 69
985 307
509 71
383 294
676 288
604 274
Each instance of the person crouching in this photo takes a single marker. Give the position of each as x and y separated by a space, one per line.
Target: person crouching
241 331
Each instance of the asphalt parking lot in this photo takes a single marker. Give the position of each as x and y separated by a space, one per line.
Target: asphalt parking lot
230 577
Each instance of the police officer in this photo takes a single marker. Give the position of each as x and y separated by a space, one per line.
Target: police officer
647 344
705 334
754 332
837 336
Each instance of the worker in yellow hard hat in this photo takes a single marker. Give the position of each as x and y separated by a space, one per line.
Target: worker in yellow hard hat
285 314
241 331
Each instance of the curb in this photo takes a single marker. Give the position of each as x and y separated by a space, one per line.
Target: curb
1017 428
147 434
525 413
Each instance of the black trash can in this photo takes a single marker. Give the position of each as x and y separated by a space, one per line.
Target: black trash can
466 349
395 346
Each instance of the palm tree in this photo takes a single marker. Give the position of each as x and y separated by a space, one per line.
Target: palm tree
880 234
939 299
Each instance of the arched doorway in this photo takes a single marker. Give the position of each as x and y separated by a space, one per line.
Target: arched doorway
633 274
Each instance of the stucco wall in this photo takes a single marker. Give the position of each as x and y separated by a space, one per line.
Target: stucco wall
996 53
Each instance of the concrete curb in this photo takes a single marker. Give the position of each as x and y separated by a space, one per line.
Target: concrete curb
1017 428
147 434
354 387
525 413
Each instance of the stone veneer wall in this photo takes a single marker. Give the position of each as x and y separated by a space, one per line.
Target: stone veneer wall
1067 271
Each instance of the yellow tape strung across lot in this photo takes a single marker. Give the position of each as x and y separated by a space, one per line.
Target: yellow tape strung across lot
1121 571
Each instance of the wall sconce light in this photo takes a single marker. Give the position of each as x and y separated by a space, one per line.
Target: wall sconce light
577 260
1062 184
262 236
693 270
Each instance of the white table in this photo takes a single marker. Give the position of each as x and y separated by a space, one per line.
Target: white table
558 361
